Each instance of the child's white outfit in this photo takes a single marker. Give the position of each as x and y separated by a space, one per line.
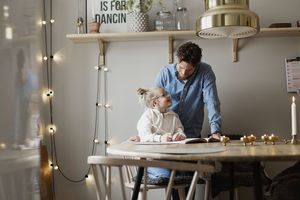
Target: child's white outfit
153 124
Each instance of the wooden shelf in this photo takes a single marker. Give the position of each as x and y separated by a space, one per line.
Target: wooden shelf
132 36
176 35
170 36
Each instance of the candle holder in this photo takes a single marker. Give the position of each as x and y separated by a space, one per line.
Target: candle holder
224 140
294 139
265 138
252 139
273 138
245 140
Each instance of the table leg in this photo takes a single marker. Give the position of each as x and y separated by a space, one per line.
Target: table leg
137 183
257 181
231 192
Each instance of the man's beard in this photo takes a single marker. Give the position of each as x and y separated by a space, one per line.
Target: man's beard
183 78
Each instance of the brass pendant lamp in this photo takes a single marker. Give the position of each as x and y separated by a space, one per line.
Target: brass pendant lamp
227 19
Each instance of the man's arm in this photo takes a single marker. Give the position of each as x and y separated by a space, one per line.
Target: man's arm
210 98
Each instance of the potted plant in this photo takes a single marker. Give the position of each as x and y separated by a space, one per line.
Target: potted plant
94 25
137 17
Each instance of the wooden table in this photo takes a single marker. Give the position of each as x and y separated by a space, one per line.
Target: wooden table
235 151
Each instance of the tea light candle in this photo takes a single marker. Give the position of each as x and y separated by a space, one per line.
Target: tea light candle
294 119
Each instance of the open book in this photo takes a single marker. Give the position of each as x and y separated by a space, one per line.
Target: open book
186 141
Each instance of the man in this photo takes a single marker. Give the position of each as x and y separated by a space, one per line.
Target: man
191 84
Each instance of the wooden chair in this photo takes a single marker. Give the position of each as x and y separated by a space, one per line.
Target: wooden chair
101 162
131 171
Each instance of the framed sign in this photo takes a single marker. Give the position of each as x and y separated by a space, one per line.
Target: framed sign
109 13
293 74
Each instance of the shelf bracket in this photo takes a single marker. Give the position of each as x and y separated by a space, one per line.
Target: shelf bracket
235 43
170 49
102 53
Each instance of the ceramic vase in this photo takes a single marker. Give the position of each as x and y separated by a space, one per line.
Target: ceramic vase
137 22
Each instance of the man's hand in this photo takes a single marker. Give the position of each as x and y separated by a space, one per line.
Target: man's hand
215 137
134 139
178 137
167 137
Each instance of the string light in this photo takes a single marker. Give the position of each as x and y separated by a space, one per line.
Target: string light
6 14
56 57
8 33
50 93
96 141
107 142
97 68
47 94
99 104
2 145
51 128
56 167
105 69
89 178
106 106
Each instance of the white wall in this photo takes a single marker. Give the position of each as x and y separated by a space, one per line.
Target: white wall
252 91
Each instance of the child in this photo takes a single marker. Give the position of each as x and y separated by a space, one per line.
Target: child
158 123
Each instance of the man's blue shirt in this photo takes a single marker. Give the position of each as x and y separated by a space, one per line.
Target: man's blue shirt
188 97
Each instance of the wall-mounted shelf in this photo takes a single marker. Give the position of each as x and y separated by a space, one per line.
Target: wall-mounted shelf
170 36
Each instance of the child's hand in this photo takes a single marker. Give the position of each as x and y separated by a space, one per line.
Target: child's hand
215 137
167 137
178 137
134 139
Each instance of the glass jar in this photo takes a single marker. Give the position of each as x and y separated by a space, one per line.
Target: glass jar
164 21
182 19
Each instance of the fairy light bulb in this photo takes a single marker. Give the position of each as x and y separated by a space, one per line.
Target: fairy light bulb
89 178
2 145
47 94
99 104
96 141
51 21
107 106
43 22
56 167
56 57
97 68
45 58
51 128
105 69
50 93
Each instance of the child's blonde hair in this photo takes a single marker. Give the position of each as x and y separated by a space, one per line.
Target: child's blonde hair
146 96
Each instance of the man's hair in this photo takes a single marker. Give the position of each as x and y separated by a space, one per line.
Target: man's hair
190 53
